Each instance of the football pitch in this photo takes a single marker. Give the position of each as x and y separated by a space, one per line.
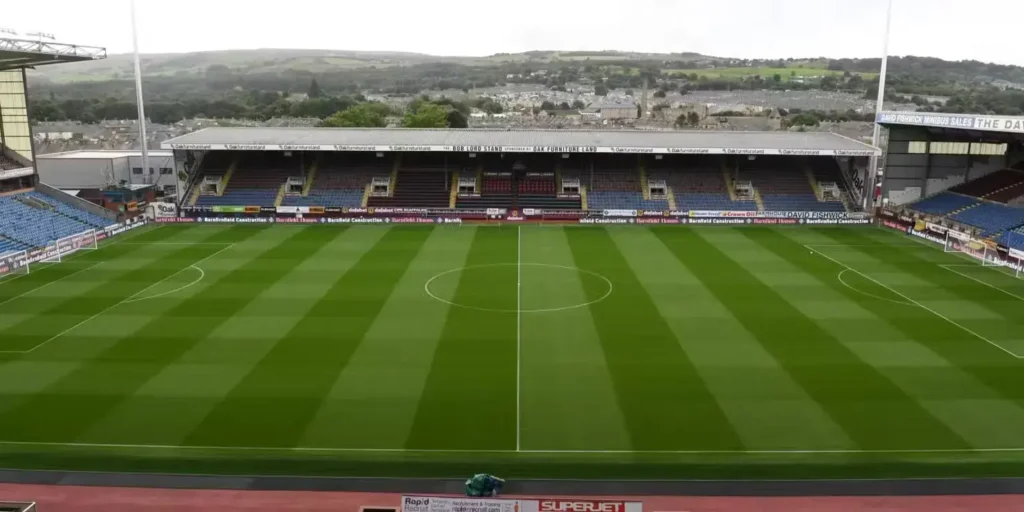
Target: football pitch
533 351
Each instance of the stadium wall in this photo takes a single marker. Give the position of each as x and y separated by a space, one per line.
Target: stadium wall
911 175
75 202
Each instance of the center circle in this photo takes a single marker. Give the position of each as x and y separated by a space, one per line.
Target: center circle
523 278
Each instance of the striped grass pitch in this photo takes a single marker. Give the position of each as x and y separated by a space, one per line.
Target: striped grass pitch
530 351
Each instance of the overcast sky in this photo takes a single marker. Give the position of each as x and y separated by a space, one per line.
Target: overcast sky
950 29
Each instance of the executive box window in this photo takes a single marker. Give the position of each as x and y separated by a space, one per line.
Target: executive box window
165 171
136 170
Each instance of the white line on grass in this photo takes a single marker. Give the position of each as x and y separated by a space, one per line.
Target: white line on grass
139 231
123 301
519 331
972 278
312 449
922 306
202 275
51 282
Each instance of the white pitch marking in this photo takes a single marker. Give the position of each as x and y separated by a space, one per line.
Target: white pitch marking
922 306
51 282
202 275
5 279
519 331
136 294
862 292
990 285
426 288
311 449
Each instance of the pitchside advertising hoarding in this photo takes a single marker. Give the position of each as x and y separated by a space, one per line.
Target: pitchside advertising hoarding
65 246
444 504
373 215
957 240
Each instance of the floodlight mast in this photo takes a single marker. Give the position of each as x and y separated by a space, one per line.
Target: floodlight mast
869 196
138 94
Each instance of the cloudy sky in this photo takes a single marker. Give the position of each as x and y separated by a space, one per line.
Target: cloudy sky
950 29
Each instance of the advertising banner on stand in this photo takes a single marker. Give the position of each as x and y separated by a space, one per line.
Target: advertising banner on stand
164 210
461 504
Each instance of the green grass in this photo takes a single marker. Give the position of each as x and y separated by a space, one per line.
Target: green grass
764 72
665 352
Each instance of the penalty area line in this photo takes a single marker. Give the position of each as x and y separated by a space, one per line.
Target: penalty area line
108 308
918 304
312 449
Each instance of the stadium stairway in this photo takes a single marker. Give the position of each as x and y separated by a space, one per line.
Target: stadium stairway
730 187
454 194
671 197
310 177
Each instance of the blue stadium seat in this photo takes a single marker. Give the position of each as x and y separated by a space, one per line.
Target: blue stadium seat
992 218
23 226
1014 239
712 201
352 198
241 197
621 200
800 203
93 220
943 203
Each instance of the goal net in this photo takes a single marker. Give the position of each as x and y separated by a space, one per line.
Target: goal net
984 253
85 240
13 264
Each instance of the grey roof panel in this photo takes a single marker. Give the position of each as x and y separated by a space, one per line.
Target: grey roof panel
809 141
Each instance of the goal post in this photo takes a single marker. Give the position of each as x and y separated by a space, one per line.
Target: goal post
84 241
14 264
985 253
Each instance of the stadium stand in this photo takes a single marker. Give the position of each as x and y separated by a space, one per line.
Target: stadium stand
1000 186
782 186
417 188
34 220
256 181
991 218
338 182
616 185
702 187
943 203
7 163
1014 239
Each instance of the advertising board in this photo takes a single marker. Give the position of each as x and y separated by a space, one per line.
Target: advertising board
466 504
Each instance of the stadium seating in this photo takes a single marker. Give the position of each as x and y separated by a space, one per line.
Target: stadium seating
701 188
1014 239
93 221
943 203
992 218
620 200
418 188
336 187
7 245
999 186
23 224
8 163
256 181
783 188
